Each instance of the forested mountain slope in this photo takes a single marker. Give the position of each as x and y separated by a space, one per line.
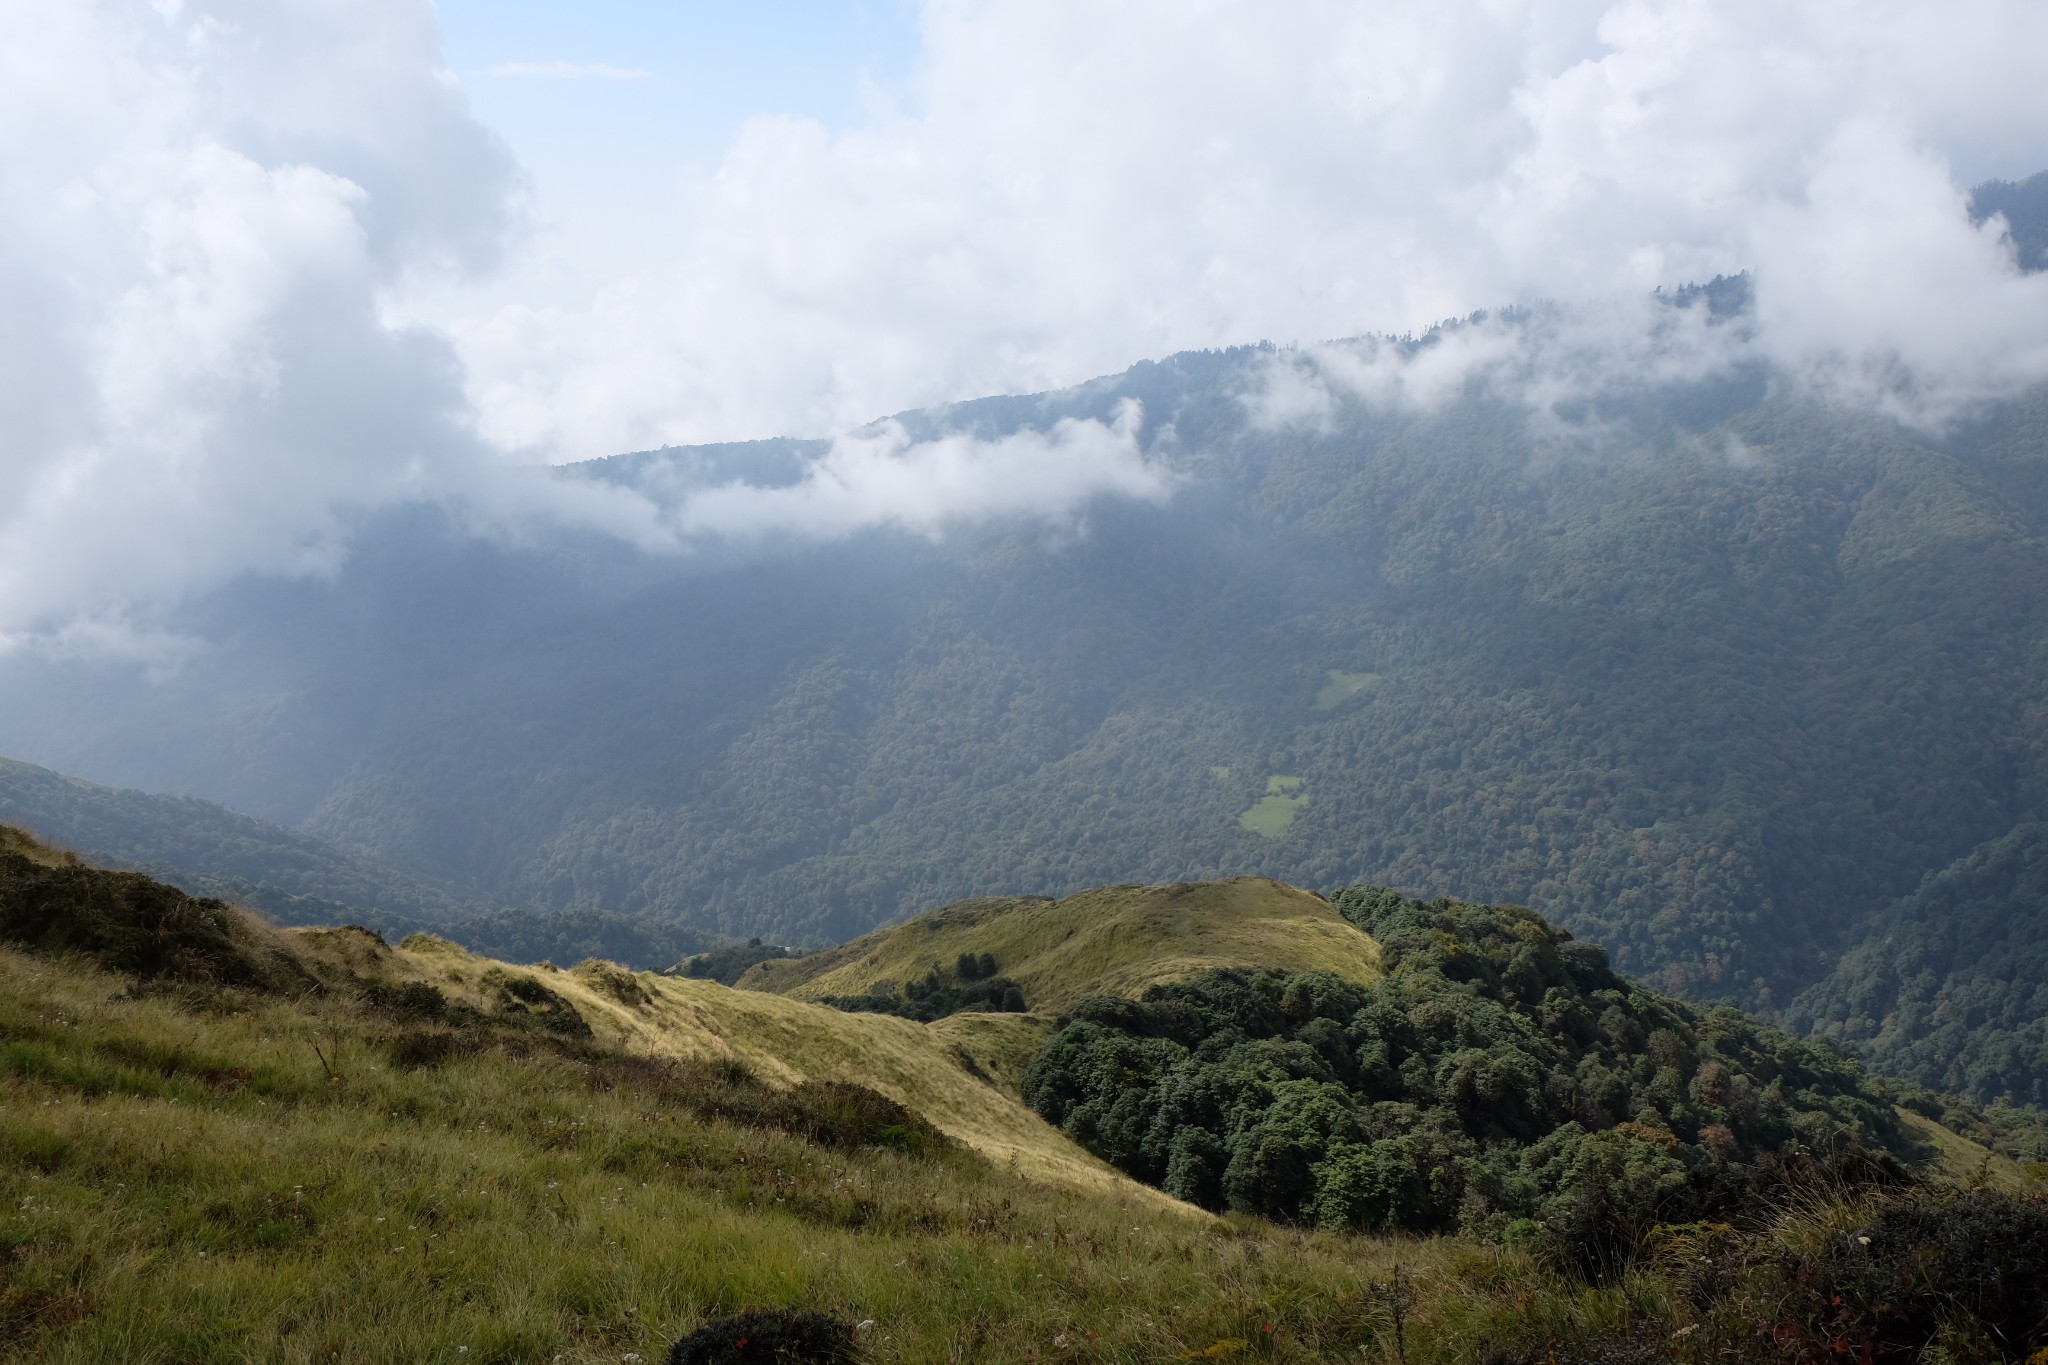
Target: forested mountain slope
1949 985
296 878
1707 708
1706 672
209 850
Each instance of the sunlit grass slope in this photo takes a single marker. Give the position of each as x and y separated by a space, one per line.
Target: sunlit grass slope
1114 941
505 1168
787 1041
233 1179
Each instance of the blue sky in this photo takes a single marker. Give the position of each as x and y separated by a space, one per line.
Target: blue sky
709 66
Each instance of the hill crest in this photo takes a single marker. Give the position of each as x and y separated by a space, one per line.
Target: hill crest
1114 940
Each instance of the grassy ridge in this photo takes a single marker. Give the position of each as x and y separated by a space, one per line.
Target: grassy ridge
1114 941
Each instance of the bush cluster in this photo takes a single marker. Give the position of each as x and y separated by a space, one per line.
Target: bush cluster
728 964
129 923
972 985
834 1114
767 1336
1500 1080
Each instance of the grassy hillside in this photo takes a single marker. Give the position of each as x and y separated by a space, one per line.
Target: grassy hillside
1115 940
413 1153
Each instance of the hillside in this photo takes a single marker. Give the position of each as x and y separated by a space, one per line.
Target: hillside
209 850
1114 940
309 1144
1950 984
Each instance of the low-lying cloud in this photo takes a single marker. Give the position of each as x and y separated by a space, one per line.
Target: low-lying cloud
881 478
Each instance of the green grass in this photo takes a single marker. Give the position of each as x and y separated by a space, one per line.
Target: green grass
1275 811
1342 687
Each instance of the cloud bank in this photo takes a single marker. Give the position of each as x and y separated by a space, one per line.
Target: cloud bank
199 214
880 478
262 269
1068 187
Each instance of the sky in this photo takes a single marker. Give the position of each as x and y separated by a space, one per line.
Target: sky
615 108
267 266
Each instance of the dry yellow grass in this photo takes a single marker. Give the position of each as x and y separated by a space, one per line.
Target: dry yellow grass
945 1073
1114 941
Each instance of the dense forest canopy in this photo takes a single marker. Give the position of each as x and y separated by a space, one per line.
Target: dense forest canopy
1500 1080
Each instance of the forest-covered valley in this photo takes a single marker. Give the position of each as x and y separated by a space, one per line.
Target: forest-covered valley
1716 678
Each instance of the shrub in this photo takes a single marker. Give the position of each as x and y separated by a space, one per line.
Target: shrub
129 923
769 1336
971 986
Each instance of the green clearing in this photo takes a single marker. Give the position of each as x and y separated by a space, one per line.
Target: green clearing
1276 809
1342 687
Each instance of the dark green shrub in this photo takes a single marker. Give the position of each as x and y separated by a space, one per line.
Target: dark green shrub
769 1336
407 1000
1974 1261
129 923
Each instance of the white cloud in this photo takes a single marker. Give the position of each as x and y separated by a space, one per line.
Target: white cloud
573 71
880 477
198 211
1073 186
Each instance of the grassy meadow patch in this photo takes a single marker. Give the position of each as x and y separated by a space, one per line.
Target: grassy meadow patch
1276 809
1115 940
1342 687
